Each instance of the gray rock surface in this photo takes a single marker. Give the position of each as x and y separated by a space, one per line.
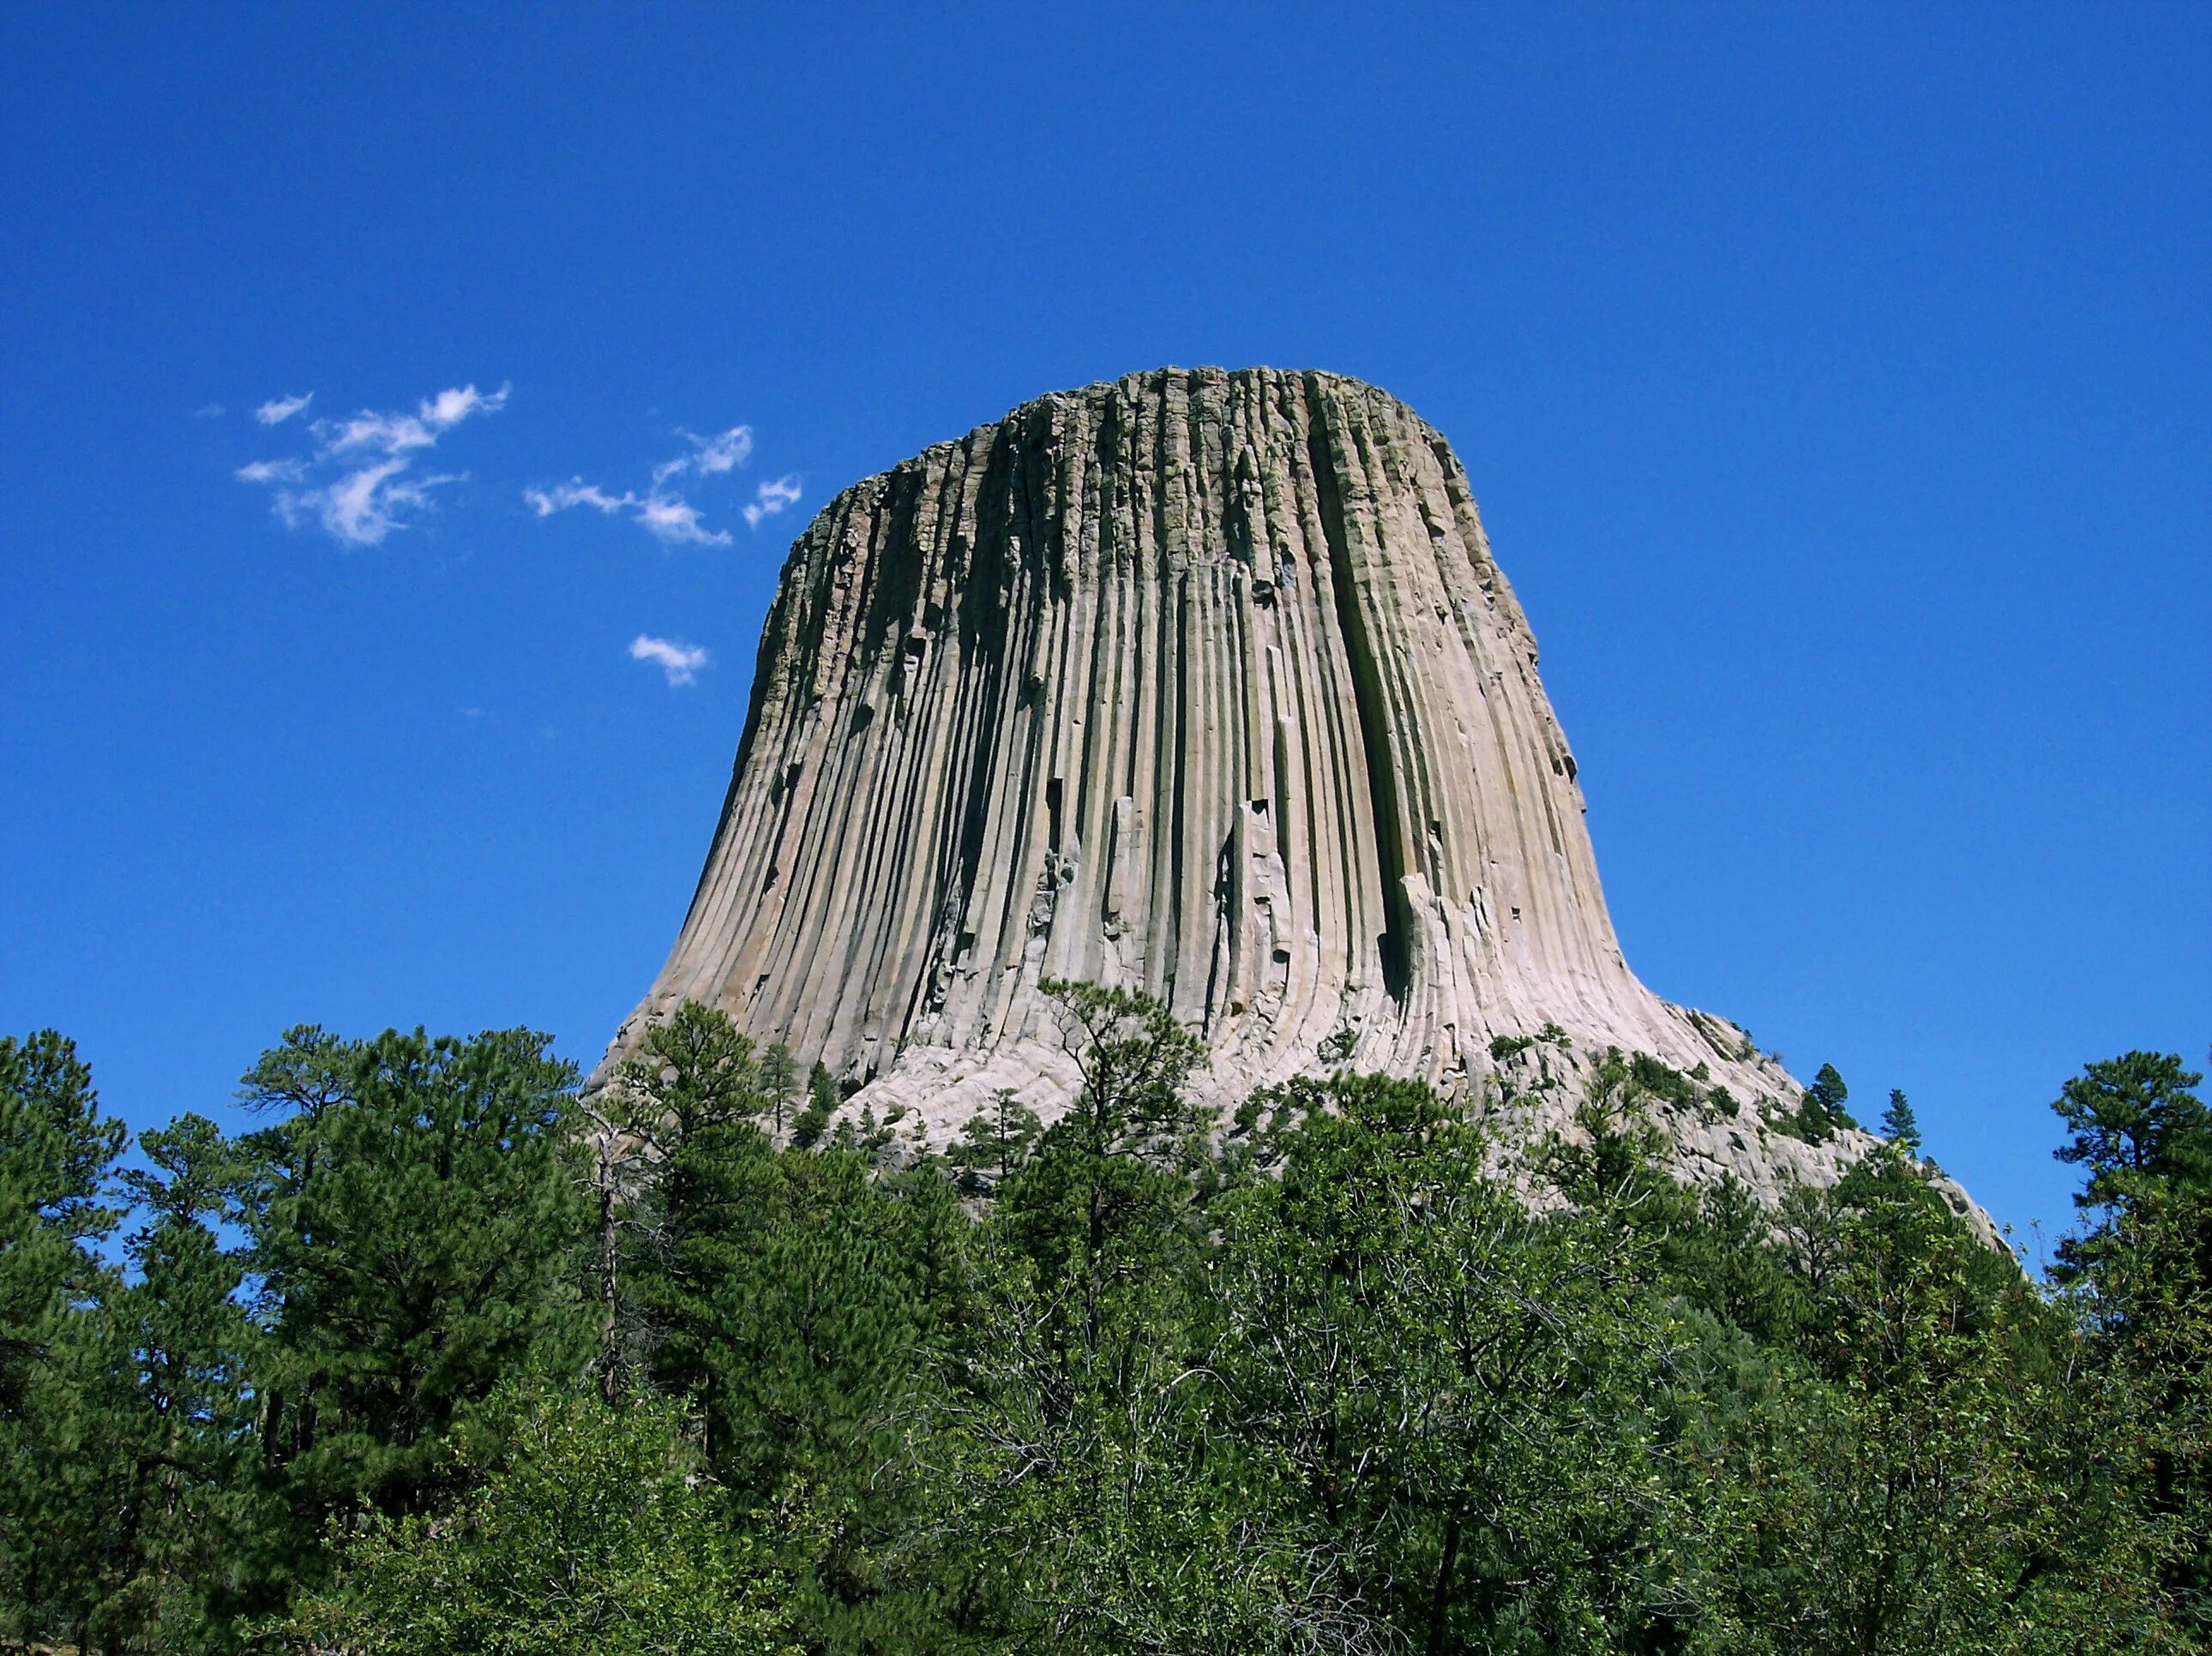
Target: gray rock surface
1203 682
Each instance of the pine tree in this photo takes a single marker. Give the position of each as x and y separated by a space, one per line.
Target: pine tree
77 1480
416 1227
163 1409
822 1102
1821 1111
2136 1128
1897 1465
57 1152
1898 1124
584 1530
65 1475
1113 1175
2141 1275
779 1085
692 1094
995 1140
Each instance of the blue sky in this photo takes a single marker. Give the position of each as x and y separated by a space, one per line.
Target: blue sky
1834 381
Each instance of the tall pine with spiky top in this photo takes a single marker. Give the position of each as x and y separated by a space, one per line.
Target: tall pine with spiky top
65 1476
790 1299
692 1095
2140 1270
1898 1123
56 1153
417 1216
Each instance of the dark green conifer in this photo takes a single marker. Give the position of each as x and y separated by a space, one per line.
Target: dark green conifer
1898 1124
779 1085
995 1141
822 1101
416 1226
57 1152
692 1093
1821 1111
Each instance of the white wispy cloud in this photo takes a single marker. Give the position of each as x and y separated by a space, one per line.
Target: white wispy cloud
398 434
770 498
661 511
356 483
671 519
575 492
277 409
678 660
674 521
710 457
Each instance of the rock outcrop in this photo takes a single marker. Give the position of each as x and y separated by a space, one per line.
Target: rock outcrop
1199 681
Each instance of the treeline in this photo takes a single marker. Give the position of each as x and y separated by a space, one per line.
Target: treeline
440 1357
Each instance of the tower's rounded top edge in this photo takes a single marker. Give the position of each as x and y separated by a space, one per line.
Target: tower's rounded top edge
1147 385
1152 382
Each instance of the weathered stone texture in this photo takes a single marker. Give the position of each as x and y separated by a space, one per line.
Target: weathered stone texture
1201 682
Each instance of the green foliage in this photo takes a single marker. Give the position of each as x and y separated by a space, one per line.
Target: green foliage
1108 1197
779 1085
995 1141
1437 1393
2134 1129
439 1358
822 1101
583 1528
1108 1192
1895 1491
2140 1279
1082 1516
182 1353
68 1474
1900 1125
56 1153
1661 1082
786 1299
690 1094
415 1226
1821 1113
1610 1159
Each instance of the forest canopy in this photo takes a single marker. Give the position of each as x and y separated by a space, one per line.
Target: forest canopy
439 1354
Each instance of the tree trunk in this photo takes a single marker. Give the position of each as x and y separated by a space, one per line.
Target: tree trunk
1440 1600
609 1377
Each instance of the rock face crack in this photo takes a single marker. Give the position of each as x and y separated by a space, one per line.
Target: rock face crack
1368 704
1200 683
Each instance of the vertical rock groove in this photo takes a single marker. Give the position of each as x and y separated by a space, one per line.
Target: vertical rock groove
1200 682
1368 704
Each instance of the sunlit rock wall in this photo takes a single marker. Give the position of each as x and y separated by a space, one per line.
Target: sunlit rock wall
1203 682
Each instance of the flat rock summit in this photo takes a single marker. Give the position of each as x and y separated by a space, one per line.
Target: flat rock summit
1203 682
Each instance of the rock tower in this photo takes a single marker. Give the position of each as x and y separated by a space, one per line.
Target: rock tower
1203 682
